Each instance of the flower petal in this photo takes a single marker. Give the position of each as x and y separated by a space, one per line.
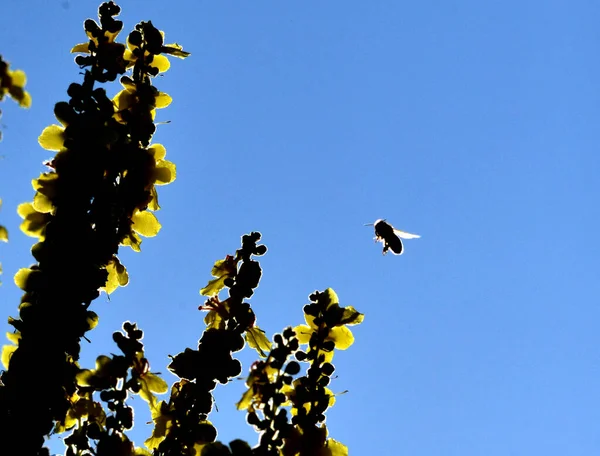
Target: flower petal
161 63
145 223
303 333
52 138
7 352
341 336
42 203
162 100
337 448
82 47
165 172
25 101
18 78
117 275
153 203
158 151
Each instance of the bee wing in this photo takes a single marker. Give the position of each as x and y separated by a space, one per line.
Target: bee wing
405 235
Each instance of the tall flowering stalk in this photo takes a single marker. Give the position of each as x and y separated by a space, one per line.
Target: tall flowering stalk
99 193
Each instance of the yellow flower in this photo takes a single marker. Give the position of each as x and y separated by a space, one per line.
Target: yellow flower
290 394
165 171
133 96
153 49
261 374
338 333
13 84
160 62
34 222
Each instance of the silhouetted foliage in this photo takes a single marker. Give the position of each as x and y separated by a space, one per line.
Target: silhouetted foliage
98 194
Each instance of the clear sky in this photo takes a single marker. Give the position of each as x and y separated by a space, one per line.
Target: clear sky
470 123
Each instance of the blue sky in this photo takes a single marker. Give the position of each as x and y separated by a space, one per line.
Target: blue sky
470 123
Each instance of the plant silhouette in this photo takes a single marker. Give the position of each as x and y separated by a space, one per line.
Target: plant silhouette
98 194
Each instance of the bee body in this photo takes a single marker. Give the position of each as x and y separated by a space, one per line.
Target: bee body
390 237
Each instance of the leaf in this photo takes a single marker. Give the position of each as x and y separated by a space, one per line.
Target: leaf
145 223
52 138
257 340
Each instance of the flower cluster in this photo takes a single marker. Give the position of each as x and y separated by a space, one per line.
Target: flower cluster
271 385
181 423
265 396
115 378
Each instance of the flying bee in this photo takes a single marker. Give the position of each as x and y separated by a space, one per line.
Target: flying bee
390 236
